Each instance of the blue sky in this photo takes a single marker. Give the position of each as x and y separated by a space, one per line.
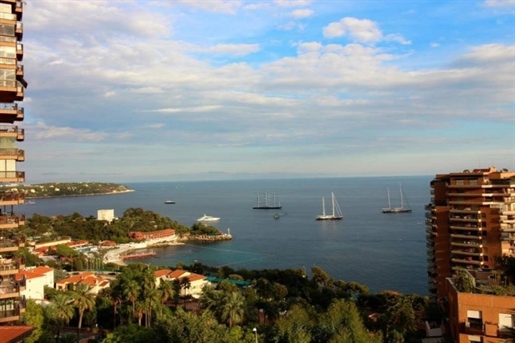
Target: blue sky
199 90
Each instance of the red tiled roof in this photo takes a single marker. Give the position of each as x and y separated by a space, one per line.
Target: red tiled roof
29 274
42 269
177 273
162 272
195 277
12 334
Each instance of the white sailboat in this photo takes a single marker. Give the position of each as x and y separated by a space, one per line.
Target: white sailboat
336 214
404 208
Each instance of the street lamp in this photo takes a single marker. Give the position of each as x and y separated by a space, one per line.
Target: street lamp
255 333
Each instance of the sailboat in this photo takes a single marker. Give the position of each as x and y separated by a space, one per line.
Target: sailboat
267 206
337 213
404 208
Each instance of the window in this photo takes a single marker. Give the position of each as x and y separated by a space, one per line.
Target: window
8 51
505 321
7 30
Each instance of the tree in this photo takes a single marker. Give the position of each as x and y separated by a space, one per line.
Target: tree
61 310
233 308
131 290
33 316
83 301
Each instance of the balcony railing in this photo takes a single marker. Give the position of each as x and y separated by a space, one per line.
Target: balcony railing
12 153
12 220
12 176
453 235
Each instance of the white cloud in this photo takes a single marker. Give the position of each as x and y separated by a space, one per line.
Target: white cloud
221 6
231 49
292 3
499 3
302 13
362 30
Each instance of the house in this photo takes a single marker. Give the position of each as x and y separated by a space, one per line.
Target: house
95 282
35 281
196 282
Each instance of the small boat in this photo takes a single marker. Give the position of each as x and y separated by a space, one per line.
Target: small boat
264 204
277 216
404 208
206 218
30 202
169 202
336 214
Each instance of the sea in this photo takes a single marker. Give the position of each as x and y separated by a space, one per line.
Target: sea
381 251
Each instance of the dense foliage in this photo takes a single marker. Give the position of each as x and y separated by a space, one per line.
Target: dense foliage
90 228
278 306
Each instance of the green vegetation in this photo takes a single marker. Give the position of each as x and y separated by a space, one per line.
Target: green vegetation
283 306
66 189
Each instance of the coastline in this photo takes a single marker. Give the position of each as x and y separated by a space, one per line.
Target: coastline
78 195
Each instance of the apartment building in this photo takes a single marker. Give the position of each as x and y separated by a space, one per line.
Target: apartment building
470 225
12 89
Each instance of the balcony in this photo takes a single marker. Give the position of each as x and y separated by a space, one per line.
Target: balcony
458 243
12 176
19 52
12 154
9 290
10 91
466 227
11 198
9 245
16 113
454 235
464 218
467 252
10 267
19 30
467 260
9 131
507 227
465 210
11 221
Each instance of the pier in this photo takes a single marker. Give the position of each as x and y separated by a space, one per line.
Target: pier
138 255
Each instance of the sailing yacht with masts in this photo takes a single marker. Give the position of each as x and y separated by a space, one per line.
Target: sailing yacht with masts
264 203
404 208
336 214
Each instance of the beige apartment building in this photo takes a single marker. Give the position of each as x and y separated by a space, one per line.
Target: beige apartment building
12 90
470 226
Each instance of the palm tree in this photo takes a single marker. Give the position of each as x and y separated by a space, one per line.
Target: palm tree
83 301
233 308
62 310
167 291
152 300
131 290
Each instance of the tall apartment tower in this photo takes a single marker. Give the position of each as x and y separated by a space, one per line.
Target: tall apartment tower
12 89
470 224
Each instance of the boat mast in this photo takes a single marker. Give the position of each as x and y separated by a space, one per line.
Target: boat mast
323 207
332 198
402 198
389 204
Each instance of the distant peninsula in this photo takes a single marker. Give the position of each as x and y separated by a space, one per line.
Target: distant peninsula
66 189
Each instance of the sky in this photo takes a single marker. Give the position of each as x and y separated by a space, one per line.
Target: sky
137 91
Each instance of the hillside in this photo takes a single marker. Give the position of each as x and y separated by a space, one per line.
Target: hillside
67 189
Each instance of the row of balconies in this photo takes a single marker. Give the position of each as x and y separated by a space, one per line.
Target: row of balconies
507 227
12 154
12 132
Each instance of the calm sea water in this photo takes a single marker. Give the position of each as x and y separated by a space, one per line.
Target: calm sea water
382 251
